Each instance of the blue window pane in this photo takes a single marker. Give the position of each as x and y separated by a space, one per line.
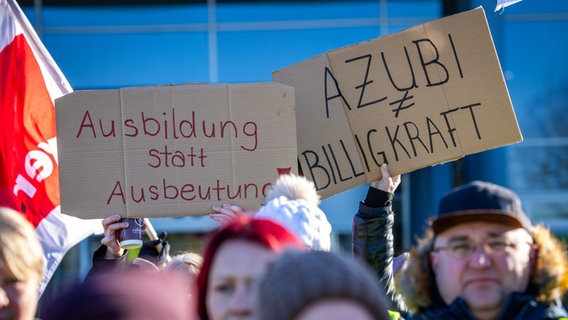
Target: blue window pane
255 12
123 16
537 75
416 8
274 50
547 210
550 210
118 60
538 168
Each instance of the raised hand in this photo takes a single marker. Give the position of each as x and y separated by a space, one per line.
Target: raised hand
386 183
226 214
111 225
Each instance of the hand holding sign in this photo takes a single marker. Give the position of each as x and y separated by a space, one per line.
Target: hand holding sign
226 213
386 183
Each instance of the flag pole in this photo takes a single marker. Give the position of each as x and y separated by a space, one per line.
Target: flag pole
150 231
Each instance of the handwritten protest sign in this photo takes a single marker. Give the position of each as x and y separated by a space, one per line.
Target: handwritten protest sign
173 150
427 95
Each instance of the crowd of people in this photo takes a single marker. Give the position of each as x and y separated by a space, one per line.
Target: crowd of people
480 258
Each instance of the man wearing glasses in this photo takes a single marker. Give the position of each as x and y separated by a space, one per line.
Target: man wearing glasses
483 259
480 258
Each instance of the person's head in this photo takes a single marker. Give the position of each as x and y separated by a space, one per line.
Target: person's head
233 257
186 262
481 247
21 266
307 221
127 294
319 285
293 187
188 265
293 201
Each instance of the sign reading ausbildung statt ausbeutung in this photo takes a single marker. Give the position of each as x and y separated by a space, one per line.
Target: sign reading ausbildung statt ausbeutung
173 150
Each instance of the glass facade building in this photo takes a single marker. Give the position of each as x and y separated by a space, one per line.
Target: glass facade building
100 45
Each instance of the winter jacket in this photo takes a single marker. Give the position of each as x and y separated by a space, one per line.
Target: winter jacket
373 240
519 307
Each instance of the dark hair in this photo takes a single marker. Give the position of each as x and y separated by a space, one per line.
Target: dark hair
265 232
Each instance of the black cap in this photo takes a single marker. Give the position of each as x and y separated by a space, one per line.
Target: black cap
480 201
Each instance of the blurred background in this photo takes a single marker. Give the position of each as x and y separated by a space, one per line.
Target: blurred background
109 44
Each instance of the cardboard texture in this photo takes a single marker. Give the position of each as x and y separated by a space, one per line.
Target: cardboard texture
173 150
427 95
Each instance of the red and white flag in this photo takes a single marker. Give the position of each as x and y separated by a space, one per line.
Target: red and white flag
30 81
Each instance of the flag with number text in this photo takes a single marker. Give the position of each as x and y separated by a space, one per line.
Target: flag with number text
30 81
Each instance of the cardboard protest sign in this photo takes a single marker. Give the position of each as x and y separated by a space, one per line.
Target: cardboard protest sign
173 150
427 95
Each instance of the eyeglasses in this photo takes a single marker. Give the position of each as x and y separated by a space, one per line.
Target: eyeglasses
463 249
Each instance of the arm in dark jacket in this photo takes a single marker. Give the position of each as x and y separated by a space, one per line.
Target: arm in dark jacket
102 264
373 239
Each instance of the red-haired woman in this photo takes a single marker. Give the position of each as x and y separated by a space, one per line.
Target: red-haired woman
233 257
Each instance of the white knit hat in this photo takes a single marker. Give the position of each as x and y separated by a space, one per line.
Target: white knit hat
305 219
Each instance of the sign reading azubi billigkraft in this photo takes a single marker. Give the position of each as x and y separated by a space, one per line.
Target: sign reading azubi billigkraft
173 150
427 95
